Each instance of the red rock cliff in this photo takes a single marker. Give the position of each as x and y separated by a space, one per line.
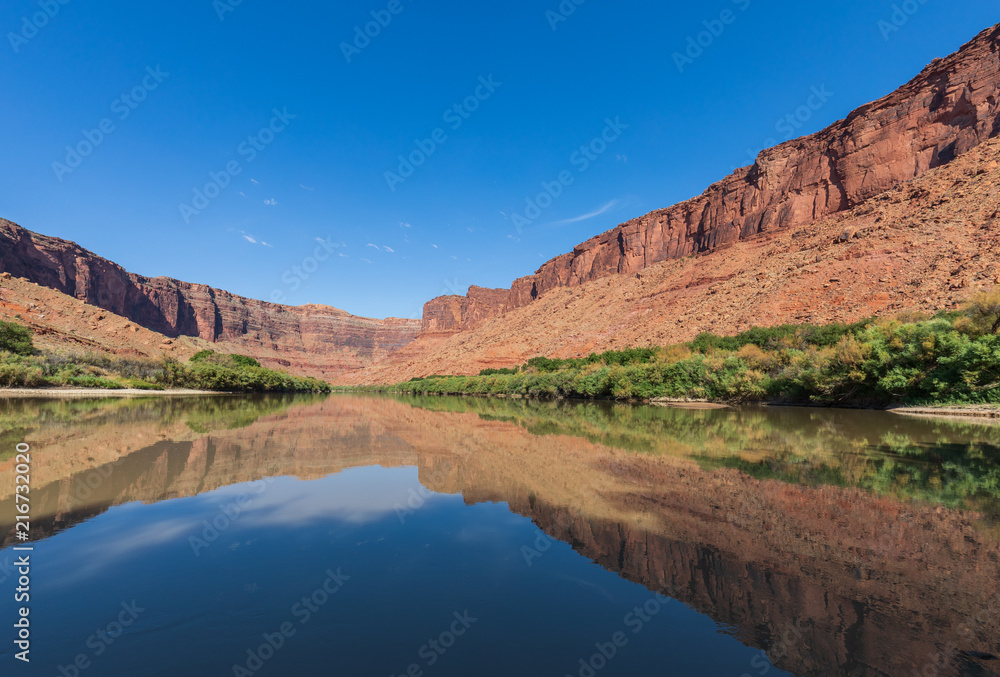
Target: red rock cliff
454 313
316 340
949 108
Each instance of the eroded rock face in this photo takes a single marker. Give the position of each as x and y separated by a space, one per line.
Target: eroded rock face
951 107
455 313
316 340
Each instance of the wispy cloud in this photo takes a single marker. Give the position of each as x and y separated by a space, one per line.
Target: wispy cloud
251 239
405 225
373 246
435 246
366 260
583 217
272 202
389 249
255 182
305 187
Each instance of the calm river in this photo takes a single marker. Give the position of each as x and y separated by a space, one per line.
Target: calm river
378 536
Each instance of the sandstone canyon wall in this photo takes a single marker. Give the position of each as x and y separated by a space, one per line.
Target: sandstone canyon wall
948 109
317 340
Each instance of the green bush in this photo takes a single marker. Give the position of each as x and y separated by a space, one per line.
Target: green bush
93 382
244 361
15 339
911 359
210 372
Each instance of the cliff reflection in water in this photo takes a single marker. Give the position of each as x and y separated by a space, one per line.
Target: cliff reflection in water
868 539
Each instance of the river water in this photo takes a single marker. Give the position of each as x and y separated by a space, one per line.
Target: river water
368 535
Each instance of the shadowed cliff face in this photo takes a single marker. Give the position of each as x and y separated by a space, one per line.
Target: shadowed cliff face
949 108
830 580
316 340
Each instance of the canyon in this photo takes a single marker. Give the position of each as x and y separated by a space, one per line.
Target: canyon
949 108
891 209
314 340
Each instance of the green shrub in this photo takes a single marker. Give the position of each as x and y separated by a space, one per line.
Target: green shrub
911 359
15 339
93 382
244 361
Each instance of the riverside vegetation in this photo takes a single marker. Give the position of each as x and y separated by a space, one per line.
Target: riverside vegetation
955 463
22 366
952 357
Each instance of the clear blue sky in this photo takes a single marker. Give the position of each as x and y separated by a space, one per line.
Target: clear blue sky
323 175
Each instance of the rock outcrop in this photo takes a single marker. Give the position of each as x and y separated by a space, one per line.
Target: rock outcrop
316 340
948 109
455 313
926 245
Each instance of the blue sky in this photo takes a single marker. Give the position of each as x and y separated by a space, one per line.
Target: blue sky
262 103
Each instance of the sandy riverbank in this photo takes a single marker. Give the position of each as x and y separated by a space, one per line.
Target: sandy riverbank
979 411
101 392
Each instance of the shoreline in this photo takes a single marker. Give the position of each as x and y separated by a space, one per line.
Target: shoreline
972 411
103 392
967 411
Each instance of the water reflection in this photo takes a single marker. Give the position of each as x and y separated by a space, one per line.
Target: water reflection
953 462
833 540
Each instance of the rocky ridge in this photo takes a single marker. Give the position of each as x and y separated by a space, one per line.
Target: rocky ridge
926 245
314 340
949 108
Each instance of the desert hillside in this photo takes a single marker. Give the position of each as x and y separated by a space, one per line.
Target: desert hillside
892 208
945 111
311 340
927 245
